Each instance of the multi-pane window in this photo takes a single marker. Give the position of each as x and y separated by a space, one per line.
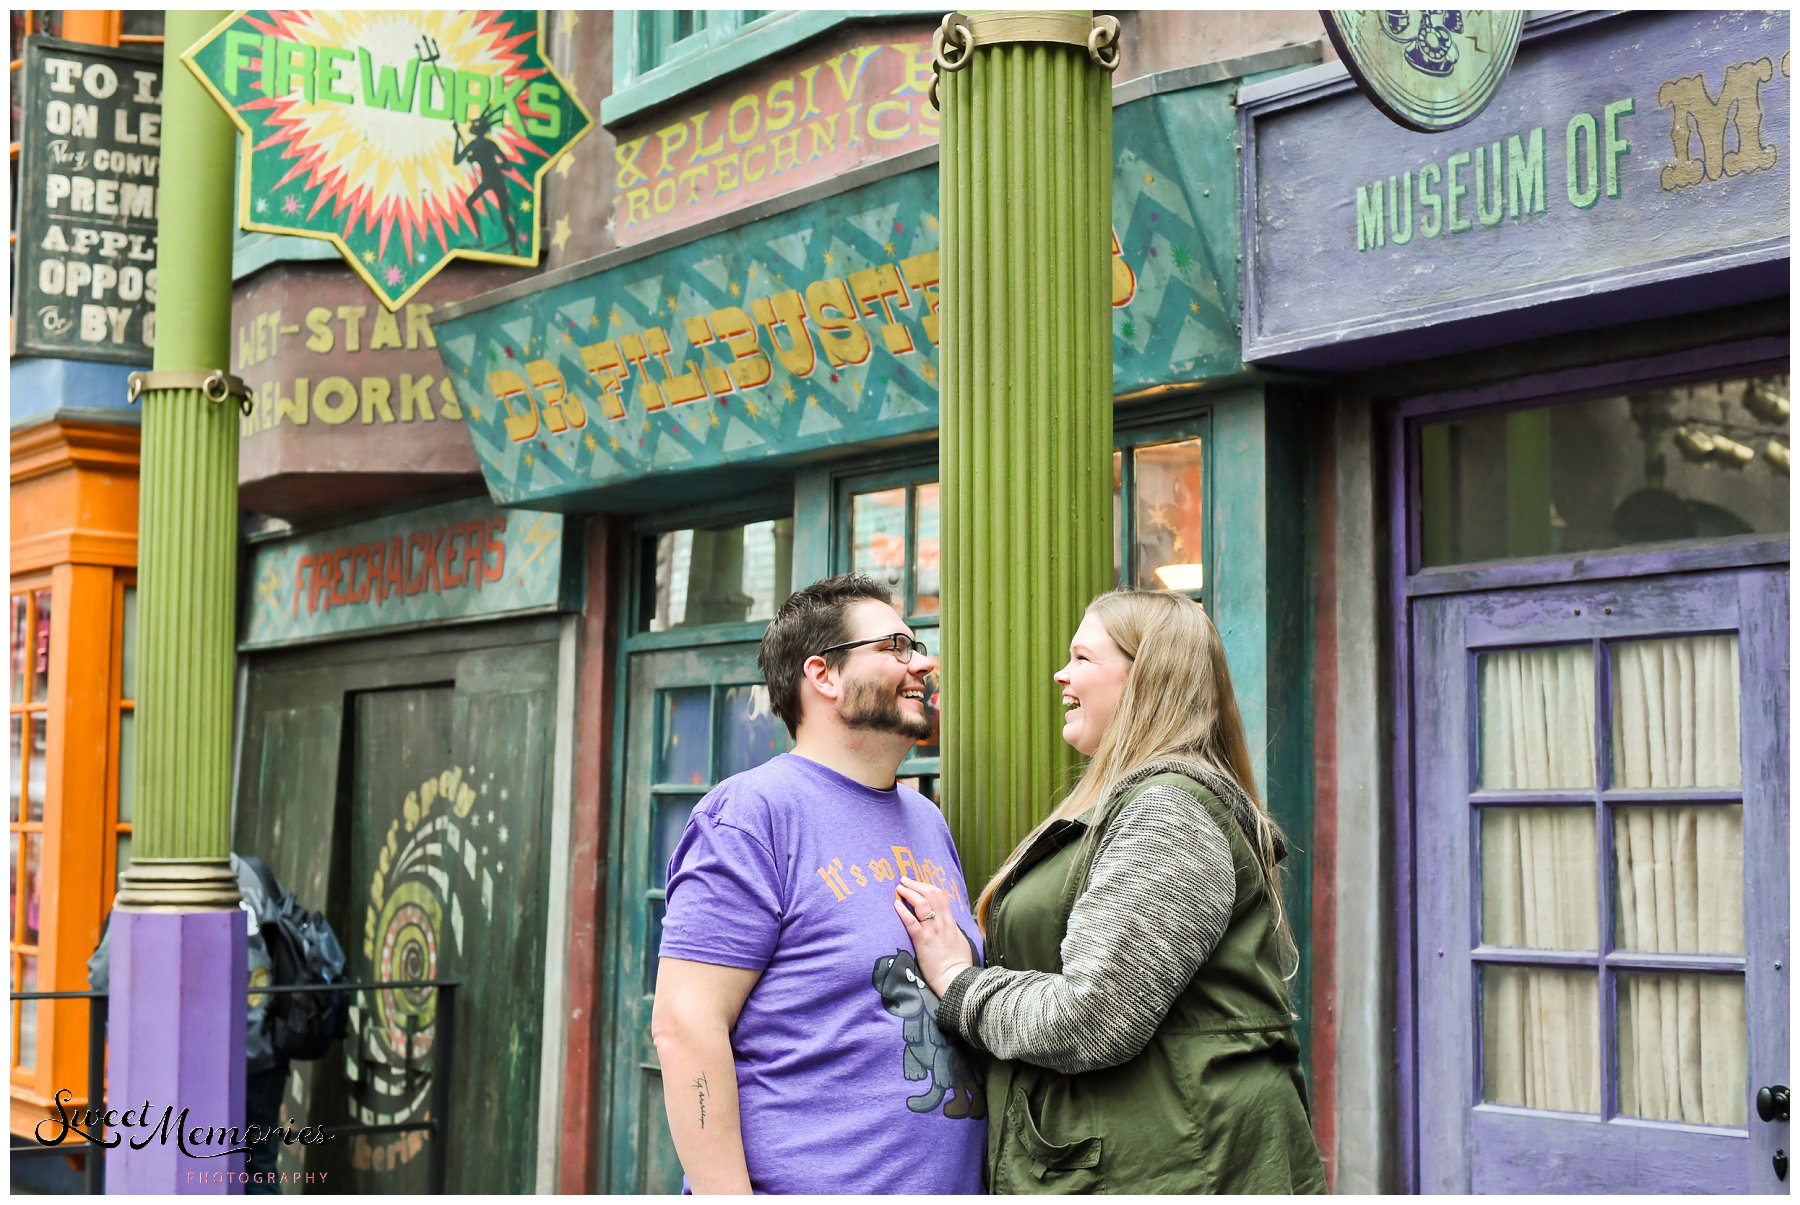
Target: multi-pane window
736 572
1609 805
659 37
1159 516
32 616
1691 461
894 539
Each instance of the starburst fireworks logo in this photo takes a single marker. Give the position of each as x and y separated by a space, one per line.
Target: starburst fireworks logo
405 138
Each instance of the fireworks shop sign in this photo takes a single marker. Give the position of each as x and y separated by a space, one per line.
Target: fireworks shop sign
1628 151
449 563
814 328
405 139
88 156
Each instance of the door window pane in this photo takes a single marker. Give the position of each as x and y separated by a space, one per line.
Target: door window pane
671 821
26 1056
1675 712
31 846
734 574
1537 878
1540 1038
128 653
1678 879
749 733
878 537
652 944
21 642
38 725
18 752
1166 500
925 555
1685 462
127 762
1118 520
1537 719
40 658
683 755
1683 1048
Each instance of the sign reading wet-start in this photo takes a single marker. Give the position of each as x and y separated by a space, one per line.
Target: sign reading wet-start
406 139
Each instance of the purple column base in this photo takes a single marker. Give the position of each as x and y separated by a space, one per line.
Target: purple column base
176 1016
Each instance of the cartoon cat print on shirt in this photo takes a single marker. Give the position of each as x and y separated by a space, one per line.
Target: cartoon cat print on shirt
927 1054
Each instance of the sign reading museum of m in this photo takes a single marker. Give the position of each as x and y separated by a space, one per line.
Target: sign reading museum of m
1639 151
814 328
406 139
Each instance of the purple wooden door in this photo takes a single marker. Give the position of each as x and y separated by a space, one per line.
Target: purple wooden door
1602 885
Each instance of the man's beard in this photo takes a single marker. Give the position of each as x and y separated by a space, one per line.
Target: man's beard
873 707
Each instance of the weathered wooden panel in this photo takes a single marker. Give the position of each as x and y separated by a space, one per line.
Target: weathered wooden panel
427 851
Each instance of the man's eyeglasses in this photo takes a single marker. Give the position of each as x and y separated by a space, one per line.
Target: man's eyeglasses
899 644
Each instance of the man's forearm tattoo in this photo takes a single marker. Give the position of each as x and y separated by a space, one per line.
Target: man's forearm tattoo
700 1087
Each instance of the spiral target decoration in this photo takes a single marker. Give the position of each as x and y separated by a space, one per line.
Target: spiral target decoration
433 877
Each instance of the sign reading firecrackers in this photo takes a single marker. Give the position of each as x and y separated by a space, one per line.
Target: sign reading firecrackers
406 139
434 877
90 143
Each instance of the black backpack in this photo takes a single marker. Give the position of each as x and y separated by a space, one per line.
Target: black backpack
304 951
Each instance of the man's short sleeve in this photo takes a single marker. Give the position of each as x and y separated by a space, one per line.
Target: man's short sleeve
724 897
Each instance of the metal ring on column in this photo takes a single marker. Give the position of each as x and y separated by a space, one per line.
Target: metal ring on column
217 386
956 39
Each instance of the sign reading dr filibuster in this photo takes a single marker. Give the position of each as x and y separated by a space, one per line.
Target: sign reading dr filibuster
406 139
89 149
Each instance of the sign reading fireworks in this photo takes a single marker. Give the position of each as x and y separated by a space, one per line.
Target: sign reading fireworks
406 139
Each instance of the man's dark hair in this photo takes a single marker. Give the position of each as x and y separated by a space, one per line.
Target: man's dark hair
811 619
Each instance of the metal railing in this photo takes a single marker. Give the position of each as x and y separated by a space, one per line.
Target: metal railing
443 1041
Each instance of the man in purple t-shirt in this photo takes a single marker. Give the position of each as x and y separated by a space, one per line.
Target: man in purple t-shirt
799 1047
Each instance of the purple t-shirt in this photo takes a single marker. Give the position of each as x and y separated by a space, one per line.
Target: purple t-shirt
845 1084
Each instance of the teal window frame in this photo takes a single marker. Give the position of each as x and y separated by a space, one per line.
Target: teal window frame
728 44
1194 422
911 472
751 508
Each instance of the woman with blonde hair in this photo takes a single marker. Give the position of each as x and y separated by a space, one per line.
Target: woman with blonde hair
1134 1002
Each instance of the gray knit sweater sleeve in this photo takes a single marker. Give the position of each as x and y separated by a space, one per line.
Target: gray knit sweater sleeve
1157 902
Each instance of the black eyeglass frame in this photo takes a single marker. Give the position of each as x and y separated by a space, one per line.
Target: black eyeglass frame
914 645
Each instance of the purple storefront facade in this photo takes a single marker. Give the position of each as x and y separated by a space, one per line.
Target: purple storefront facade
1548 353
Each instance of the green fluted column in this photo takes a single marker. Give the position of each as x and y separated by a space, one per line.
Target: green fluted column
187 524
1026 418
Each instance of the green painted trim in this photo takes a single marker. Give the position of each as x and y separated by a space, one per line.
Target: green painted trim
814 550
696 637
732 51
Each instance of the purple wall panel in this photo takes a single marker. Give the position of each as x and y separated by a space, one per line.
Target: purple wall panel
1327 274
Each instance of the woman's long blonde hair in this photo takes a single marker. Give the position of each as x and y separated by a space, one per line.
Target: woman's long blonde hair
1177 705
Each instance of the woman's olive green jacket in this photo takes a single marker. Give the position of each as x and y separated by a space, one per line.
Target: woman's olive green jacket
1214 1103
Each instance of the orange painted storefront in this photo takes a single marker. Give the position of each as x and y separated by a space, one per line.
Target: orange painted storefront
74 528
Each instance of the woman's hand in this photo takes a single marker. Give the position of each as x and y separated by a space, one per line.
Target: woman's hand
940 945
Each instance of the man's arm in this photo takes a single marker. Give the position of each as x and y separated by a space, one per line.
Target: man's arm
697 1003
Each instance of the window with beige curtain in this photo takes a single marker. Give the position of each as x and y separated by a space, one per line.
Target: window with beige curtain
1677 879
1540 1026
